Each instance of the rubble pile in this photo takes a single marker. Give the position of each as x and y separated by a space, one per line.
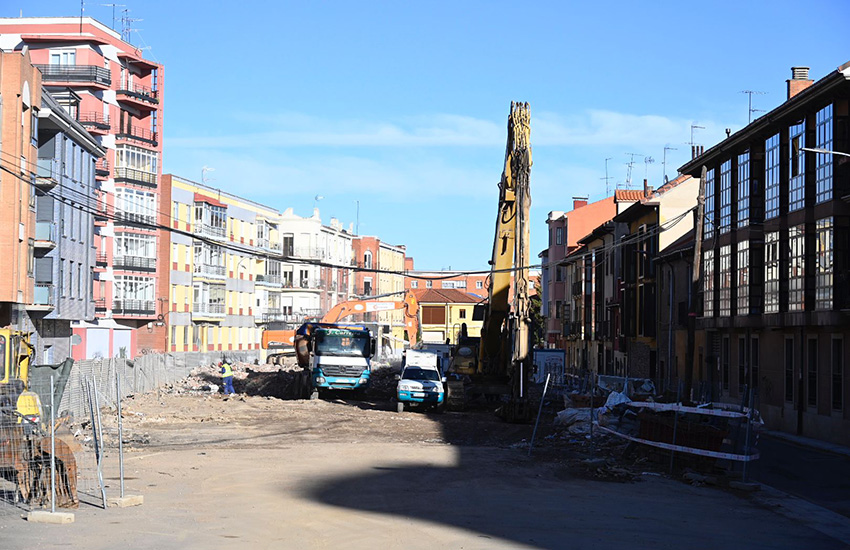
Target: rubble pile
382 382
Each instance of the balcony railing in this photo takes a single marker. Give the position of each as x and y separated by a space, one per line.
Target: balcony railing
210 270
134 307
94 119
100 258
134 262
134 217
208 309
132 175
269 245
43 295
100 304
140 92
138 133
269 279
75 73
207 230
45 234
48 173
308 252
101 168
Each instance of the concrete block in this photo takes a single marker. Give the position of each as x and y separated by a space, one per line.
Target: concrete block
127 501
742 486
43 516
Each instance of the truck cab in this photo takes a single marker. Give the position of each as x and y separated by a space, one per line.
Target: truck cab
420 383
337 357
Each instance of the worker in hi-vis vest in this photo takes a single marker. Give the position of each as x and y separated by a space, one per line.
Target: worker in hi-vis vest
227 377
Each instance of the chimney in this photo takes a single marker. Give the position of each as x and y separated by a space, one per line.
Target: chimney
799 81
578 202
647 189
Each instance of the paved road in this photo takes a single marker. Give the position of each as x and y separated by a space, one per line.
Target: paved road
820 477
402 495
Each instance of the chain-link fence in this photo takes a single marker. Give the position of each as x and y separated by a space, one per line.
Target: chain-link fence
52 434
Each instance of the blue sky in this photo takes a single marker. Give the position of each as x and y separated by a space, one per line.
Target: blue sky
403 106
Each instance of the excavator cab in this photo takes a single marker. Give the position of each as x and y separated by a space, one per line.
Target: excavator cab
18 405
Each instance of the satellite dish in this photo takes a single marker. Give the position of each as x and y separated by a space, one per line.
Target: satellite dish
76 340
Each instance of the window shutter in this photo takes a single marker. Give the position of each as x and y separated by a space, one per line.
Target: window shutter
44 270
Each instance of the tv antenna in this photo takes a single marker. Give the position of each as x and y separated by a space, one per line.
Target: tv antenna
606 178
113 6
696 150
630 164
127 24
664 161
750 109
204 170
646 162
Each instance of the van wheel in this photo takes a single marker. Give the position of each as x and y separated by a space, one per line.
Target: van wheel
399 407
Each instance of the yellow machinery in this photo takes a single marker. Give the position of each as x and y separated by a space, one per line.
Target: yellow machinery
24 433
503 362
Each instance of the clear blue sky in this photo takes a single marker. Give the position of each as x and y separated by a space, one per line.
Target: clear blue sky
403 106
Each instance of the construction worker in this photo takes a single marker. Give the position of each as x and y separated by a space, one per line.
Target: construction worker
227 377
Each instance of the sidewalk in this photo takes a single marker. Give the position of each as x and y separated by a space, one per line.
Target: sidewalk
809 442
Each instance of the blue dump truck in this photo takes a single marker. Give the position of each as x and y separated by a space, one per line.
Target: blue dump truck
334 357
420 383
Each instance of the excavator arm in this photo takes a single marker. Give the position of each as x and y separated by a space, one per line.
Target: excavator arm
409 304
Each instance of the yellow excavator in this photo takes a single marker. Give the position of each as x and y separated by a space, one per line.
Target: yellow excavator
25 445
499 363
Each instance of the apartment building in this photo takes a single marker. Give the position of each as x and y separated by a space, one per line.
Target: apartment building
775 288
107 86
379 271
564 230
444 312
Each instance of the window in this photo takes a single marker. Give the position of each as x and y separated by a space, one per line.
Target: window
210 220
461 314
708 222
743 279
837 373
63 57
744 189
823 161
726 196
429 284
433 315
708 288
796 268
479 284
559 273
288 244
134 244
824 266
789 369
30 257
771 272
367 259
414 284
135 206
771 177
742 364
559 235
812 373
725 290
134 288
558 305
797 166
34 127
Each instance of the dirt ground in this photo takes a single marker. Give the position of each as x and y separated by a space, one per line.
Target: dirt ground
263 470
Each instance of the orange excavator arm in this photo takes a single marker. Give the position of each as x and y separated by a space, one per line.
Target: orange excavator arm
410 306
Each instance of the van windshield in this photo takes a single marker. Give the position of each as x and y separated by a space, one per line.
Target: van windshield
416 373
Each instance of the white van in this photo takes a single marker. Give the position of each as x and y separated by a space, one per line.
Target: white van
420 383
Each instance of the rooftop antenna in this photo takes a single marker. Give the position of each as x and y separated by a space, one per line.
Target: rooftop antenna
113 6
750 109
82 10
664 162
126 25
204 170
606 178
646 162
630 164
696 150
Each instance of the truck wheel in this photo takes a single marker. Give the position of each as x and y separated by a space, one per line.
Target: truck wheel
399 407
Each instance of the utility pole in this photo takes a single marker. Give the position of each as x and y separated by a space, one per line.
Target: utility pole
694 288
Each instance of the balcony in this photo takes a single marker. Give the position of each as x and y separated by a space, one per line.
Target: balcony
101 211
212 231
134 218
208 310
101 169
95 122
100 304
42 298
208 270
266 244
100 259
141 97
86 74
306 284
48 173
138 177
45 235
269 279
133 307
137 133
134 263
307 252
